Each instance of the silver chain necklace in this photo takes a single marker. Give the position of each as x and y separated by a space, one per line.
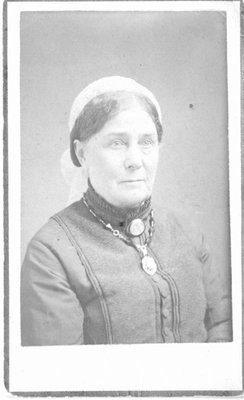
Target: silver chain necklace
147 262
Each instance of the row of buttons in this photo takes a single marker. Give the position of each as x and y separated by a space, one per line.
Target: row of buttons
166 331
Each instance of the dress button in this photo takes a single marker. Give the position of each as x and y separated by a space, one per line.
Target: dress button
166 331
156 278
165 313
162 293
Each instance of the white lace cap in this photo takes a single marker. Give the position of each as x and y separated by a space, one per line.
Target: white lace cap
105 85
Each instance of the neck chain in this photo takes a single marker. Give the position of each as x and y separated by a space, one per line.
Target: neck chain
148 263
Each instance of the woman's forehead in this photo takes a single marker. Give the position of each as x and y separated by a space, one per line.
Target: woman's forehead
129 120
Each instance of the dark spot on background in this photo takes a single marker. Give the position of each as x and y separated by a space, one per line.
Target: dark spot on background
191 105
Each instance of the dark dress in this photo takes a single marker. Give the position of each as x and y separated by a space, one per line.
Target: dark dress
82 285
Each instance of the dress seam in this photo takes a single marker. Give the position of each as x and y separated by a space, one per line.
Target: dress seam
91 275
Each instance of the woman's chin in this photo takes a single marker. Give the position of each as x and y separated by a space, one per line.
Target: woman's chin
132 200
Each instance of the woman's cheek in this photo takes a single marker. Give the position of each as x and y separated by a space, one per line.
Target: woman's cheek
115 162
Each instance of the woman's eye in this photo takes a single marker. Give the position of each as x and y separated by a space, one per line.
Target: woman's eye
147 142
117 143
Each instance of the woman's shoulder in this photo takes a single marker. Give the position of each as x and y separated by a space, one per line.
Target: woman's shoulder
180 219
51 248
51 233
179 224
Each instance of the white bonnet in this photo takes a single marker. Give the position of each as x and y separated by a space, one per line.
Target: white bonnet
104 85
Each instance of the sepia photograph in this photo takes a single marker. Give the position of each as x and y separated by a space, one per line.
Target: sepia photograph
124 229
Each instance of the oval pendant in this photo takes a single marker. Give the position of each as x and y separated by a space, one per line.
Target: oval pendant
149 265
136 227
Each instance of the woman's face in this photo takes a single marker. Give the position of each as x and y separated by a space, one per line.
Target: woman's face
121 159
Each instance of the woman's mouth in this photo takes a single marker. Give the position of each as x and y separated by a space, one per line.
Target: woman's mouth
133 181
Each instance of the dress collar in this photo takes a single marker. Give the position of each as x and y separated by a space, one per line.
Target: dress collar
115 215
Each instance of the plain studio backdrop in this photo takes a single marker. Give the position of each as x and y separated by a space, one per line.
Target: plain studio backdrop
179 56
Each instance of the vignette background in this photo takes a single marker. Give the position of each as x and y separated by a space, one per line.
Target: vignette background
179 56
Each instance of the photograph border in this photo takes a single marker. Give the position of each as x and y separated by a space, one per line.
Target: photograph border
6 161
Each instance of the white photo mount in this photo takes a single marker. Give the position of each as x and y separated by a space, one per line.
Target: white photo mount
206 368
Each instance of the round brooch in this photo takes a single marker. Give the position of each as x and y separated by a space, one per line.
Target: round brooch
136 227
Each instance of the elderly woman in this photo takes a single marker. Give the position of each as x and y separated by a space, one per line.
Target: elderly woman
107 269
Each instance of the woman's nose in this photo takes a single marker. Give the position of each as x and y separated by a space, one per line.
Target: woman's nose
133 158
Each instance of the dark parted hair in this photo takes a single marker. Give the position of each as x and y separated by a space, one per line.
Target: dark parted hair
102 108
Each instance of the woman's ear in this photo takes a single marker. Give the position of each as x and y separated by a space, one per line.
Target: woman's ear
79 150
